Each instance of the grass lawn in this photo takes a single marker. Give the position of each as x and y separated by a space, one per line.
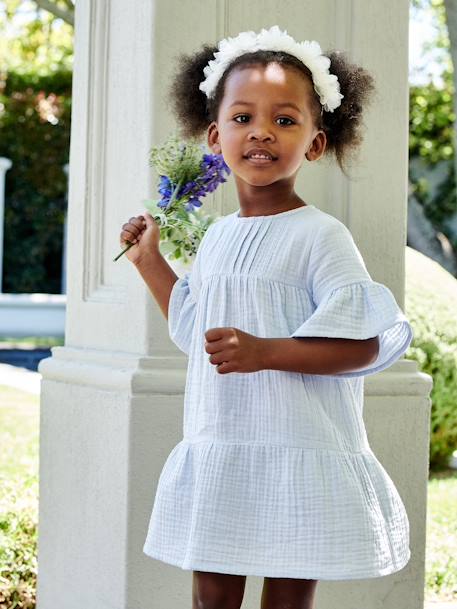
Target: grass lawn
441 551
30 342
19 433
19 437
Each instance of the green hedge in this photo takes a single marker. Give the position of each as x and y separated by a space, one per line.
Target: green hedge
18 543
431 128
35 114
430 305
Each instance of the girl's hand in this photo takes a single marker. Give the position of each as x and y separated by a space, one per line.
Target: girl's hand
233 350
144 232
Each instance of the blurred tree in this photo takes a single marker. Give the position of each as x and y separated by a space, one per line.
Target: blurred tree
451 21
36 36
437 10
434 104
36 62
63 9
432 210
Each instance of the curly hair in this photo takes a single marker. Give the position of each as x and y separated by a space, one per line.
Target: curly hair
342 127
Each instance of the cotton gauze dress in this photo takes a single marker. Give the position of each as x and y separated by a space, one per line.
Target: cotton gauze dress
274 475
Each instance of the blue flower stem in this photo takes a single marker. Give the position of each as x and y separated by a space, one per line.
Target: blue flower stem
173 196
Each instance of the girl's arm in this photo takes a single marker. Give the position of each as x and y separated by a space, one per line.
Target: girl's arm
314 355
144 253
159 277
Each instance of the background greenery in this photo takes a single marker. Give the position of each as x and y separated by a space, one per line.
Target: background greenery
430 305
19 439
35 135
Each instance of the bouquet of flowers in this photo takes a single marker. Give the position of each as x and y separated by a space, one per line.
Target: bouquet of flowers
186 174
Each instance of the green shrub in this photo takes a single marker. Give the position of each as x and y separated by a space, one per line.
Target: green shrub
431 129
35 114
430 305
440 556
18 542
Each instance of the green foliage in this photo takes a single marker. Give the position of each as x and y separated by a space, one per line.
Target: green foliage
180 231
434 10
431 121
31 342
19 468
442 204
18 544
35 113
430 305
441 558
177 159
42 45
431 138
432 118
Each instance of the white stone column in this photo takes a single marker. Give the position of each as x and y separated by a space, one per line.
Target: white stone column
5 164
111 402
112 397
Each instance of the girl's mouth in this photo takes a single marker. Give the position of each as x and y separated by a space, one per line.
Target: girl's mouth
259 160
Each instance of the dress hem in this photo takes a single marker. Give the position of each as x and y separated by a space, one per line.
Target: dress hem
266 572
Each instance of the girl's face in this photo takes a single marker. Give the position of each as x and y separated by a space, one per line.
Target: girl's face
266 107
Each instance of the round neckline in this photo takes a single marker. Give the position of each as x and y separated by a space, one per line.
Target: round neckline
280 214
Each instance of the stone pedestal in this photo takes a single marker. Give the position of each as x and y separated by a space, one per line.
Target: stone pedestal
112 397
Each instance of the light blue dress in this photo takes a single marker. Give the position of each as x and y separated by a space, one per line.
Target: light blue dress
274 475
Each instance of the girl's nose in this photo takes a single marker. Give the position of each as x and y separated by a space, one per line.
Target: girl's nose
260 132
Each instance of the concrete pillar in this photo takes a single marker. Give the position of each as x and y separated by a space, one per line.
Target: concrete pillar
112 397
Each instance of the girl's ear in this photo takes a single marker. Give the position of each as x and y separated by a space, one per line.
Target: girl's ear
317 148
213 138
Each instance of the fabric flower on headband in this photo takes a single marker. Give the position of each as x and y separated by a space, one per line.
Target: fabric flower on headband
308 52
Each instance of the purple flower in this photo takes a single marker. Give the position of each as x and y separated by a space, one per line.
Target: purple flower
212 169
192 203
165 186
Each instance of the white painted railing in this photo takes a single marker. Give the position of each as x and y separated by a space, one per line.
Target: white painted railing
30 314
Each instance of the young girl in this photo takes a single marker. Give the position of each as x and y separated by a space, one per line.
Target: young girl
281 321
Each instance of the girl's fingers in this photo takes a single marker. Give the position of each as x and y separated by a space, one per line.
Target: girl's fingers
127 236
133 232
136 222
133 229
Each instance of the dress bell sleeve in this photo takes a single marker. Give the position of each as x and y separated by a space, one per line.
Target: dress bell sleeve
182 305
181 312
348 303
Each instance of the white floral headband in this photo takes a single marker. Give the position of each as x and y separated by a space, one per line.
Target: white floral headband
308 52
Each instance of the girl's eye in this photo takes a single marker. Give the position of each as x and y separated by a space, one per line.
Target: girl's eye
280 118
287 119
239 116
